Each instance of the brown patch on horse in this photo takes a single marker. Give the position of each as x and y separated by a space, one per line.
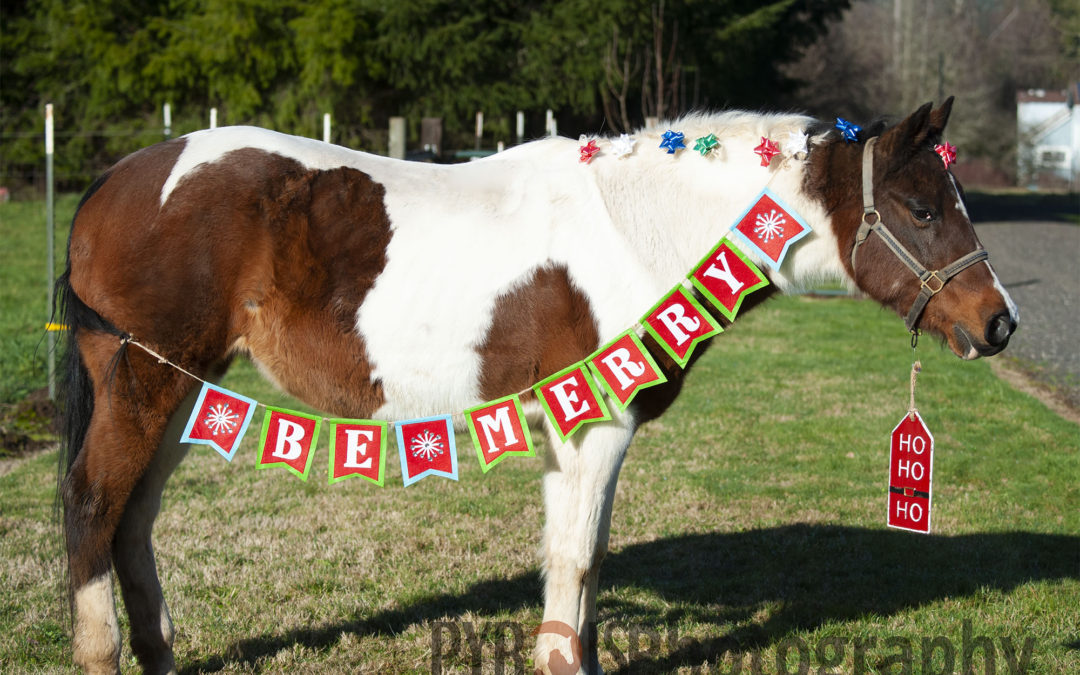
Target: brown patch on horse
537 329
909 176
251 252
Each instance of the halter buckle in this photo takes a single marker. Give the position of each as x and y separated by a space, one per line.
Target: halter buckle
926 283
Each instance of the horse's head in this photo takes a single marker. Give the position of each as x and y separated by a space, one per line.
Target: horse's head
908 242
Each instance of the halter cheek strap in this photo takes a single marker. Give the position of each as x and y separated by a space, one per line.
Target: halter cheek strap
932 281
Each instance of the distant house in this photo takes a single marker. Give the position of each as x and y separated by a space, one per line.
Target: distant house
1048 135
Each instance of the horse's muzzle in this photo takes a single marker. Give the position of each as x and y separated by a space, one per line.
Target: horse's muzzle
995 337
998 330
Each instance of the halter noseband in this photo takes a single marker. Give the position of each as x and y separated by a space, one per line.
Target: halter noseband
932 282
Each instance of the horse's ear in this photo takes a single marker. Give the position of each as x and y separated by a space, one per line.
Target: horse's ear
909 134
938 119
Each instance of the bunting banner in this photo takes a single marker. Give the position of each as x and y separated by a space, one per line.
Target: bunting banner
287 438
625 367
571 399
357 448
771 228
219 419
678 322
725 277
426 448
499 430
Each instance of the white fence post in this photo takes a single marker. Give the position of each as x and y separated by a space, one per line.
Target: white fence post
166 114
50 247
479 128
326 127
213 118
397 137
520 127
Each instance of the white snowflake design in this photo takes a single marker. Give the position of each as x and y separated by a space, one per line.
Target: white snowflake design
768 226
221 419
427 446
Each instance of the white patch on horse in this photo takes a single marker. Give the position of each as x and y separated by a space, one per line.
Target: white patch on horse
96 641
482 231
1014 311
959 200
210 145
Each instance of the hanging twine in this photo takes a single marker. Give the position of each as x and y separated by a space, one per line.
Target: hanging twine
916 368
130 340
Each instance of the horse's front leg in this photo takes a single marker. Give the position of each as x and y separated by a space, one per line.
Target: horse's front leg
579 487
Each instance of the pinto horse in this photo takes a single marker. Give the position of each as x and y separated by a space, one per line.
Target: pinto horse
375 288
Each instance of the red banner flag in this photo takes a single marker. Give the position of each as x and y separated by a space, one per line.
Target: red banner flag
219 419
571 399
771 227
426 448
499 430
725 277
911 462
678 322
357 448
625 367
288 438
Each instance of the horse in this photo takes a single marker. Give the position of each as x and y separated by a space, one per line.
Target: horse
375 288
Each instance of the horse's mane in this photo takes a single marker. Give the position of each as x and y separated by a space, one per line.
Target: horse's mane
731 123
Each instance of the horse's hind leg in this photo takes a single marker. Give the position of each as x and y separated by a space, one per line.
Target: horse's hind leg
132 408
133 552
579 488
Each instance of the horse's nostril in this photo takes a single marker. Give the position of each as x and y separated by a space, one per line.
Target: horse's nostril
999 328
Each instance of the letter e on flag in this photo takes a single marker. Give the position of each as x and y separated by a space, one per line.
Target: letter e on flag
570 399
288 438
357 448
625 367
498 430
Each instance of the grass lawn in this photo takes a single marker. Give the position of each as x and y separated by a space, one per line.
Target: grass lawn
749 524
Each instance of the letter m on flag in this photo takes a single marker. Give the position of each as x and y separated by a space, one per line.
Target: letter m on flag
498 429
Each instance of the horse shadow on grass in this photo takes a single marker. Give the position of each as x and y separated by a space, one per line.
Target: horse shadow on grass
808 575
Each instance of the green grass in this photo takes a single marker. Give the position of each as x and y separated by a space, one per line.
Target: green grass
749 519
24 291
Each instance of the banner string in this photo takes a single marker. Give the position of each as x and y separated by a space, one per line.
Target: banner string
638 328
131 339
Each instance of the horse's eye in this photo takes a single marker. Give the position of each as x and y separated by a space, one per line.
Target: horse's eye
923 215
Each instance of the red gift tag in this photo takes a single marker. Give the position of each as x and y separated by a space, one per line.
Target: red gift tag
911 459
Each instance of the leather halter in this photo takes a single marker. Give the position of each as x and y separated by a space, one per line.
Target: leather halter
932 281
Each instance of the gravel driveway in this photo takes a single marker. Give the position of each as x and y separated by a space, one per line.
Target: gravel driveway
1039 264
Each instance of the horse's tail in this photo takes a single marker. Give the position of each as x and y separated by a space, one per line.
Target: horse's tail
76 390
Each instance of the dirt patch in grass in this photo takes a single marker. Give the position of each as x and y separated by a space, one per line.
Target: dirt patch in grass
27 427
1063 402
